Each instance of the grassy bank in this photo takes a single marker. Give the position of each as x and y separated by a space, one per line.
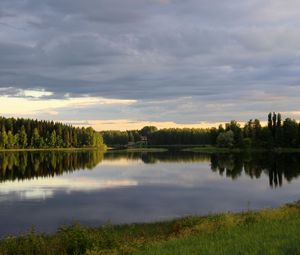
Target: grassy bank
211 149
269 231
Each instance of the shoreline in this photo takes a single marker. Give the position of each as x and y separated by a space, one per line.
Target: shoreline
163 148
52 149
201 149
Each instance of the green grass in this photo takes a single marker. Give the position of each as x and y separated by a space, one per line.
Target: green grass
212 149
269 231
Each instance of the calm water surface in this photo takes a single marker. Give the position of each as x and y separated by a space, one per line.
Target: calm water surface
48 189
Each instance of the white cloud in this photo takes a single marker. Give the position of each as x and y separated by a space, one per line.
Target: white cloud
31 103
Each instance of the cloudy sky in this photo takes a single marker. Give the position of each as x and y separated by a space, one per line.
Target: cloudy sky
126 63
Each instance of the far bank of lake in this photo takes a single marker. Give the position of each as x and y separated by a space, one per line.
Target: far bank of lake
200 149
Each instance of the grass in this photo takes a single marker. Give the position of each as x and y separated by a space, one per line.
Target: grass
211 149
268 231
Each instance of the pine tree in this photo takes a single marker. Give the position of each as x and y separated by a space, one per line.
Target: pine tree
270 121
3 139
35 139
22 138
10 140
52 141
278 120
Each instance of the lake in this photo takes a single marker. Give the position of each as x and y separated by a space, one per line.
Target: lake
47 189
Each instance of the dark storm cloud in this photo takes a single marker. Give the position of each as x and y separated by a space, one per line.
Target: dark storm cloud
224 54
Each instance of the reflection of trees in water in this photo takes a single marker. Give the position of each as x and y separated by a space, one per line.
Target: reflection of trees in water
156 157
276 166
229 164
27 165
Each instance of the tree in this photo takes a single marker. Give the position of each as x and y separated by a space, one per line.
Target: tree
290 132
237 132
278 124
130 137
226 139
66 138
52 140
35 139
3 139
10 140
98 139
270 121
147 130
274 120
22 138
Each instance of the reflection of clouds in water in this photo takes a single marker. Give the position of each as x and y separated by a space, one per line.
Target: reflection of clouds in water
111 174
121 162
125 172
184 175
45 188
35 194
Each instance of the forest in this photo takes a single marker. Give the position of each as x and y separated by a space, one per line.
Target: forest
277 133
31 134
26 133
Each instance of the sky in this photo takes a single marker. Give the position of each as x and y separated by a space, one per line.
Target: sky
123 64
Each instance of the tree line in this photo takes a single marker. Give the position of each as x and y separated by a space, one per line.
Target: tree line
277 133
116 137
27 133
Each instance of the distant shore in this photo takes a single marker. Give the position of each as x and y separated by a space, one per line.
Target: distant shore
200 149
267 231
52 149
163 148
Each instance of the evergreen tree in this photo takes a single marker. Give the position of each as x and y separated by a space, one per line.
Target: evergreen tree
3 139
52 141
270 126
278 124
22 138
35 139
274 124
10 140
